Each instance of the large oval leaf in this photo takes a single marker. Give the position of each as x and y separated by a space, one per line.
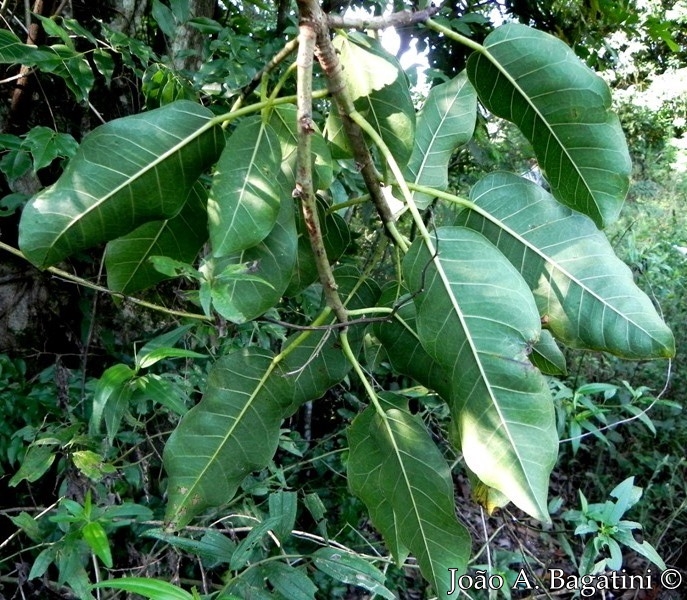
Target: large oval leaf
231 432
446 122
398 471
536 81
125 173
478 319
244 198
584 292
180 238
271 262
379 89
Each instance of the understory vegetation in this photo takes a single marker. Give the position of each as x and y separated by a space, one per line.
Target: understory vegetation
278 324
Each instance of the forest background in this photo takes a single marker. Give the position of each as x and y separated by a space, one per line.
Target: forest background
80 507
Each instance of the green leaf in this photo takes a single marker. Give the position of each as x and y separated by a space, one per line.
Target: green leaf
404 349
162 391
125 173
584 293
164 18
37 461
547 356
283 506
213 547
477 318
95 536
284 122
70 65
46 145
318 363
352 570
127 259
149 588
14 51
91 464
110 382
564 109
270 265
231 432
336 236
290 582
243 551
446 122
379 90
244 199
405 482
148 359
15 164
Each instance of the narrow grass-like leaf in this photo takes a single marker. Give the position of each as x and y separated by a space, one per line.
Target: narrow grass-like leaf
148 588
244 198
400 474
585 294
180 238
125 173
231 432
446 122
478 319
564 109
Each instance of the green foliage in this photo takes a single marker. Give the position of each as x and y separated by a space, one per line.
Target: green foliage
473 311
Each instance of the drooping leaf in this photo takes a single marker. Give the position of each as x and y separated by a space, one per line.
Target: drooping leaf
283 506
478 319
547 356
244 198
127 172
405 482
214 547
271 262
446 122
379 90
95 536
231 432
585 294
564 109
127 259
404 349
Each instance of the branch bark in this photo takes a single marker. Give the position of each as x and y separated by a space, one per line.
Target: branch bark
402 18
304 182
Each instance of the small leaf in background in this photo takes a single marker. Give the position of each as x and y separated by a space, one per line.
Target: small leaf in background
243 551
283 506
91 464
352 570
45 145
10 203
95 536
318 511
15 164
110 382
291 582
164 18
37 461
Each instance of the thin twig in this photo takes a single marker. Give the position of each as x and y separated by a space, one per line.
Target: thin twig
402 18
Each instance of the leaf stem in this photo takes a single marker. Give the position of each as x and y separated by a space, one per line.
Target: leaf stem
455 36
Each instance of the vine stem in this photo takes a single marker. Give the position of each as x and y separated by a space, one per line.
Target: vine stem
99 288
